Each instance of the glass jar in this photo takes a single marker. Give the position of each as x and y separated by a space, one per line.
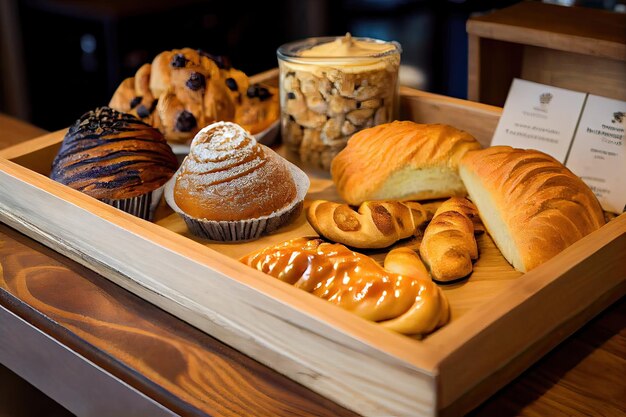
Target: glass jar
332 87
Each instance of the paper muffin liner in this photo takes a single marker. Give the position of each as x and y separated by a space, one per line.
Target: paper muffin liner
244 230
143 206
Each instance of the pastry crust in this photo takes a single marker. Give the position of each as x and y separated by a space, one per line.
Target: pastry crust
228 176
402 161
373 225
448 246
111 155
196 92
532 206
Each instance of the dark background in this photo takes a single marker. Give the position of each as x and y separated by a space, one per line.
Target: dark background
61 58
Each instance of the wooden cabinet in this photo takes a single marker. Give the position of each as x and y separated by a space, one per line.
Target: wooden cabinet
576 48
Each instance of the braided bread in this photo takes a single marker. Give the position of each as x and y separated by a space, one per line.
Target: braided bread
376 224
183 90
400 296
449 246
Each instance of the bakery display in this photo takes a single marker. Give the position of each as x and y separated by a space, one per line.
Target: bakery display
402 160
448 246
183 90
230 187
399 296
115 158
532 206
376 224
331 88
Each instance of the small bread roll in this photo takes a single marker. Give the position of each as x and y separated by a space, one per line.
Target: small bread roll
449 247
376 224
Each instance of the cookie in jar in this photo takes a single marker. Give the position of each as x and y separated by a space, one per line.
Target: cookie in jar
330 88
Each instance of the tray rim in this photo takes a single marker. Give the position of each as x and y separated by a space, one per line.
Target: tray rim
429 357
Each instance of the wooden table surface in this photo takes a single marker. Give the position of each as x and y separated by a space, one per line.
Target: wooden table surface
175 368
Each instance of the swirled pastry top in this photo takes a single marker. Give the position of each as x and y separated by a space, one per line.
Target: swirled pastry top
229 176
400 296
112 155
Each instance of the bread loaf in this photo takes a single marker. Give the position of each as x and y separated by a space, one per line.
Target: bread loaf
532 206
111 155
401 161
448 246
183 90
229 176
400 296
375 225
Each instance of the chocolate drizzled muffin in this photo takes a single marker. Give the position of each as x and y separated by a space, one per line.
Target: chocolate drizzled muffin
114 157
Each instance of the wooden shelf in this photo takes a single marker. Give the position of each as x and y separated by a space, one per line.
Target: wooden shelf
570 47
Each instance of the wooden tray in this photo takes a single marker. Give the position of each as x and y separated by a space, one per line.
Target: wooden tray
502 320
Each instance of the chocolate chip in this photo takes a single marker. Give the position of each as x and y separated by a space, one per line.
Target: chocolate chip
256 90
251 92
178 61
264 93
196 81
142 111
231 84
186 122
291 95
135 101
221 61
154 104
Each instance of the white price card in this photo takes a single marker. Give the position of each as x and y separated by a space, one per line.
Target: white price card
598 154
537 116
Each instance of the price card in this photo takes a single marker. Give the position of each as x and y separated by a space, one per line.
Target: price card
598 154
541 117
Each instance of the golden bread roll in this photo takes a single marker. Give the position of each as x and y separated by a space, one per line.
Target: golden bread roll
400 296
229 176
448 246
532 206
376 224
183 90
401 161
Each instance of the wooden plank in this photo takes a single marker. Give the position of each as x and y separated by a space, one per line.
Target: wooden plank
583 376
35 153
506 327
77 384
16 131
478 119
571 71
605 378
180 367
473 67
574 29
